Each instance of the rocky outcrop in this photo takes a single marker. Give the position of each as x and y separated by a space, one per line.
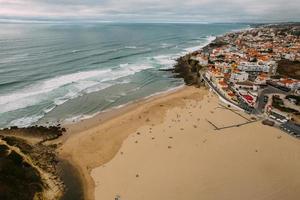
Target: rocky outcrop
186 69
40 133
189 69
217 43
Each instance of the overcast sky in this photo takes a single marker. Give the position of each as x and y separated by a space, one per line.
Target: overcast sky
153 10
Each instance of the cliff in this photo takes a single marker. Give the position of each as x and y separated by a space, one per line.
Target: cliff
189 69
28 164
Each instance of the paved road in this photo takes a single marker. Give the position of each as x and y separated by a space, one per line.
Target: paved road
268 90
218 92
260 101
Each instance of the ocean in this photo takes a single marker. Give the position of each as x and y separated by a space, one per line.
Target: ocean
60 73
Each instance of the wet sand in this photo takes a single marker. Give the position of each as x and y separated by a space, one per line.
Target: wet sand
168 148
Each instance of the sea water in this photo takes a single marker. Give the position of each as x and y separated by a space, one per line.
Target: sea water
53 73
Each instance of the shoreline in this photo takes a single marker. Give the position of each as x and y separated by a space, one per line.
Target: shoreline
77 130
210 38
87 130
82 124
96 146
105 116
108 114
99 151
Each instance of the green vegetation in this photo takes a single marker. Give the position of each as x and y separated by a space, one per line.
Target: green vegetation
289 68
297 98
18 179
278 104
3 150
21 144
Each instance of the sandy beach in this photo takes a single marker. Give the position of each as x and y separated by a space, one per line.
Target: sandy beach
183 145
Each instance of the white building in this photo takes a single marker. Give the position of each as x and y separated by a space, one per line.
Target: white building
290 56
266 67
293 84
249 67
239 77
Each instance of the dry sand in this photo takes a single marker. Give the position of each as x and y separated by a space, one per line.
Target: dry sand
168 148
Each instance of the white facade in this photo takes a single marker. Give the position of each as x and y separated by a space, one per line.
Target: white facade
266 67
290 57
253 67
293 86
239 77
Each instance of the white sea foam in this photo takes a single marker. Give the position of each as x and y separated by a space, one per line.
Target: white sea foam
88 81
68 96
195 48
47 110
164 45
74 119
38 92
83 117
59 90
165 91
49 85
78 118
60 101
130 47
166 61
25 121
124 65
111 100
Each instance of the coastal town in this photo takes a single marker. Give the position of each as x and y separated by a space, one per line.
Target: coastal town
255 74
257 71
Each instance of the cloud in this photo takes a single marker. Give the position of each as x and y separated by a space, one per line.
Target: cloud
153 10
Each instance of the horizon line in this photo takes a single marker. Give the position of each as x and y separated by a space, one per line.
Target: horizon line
74 21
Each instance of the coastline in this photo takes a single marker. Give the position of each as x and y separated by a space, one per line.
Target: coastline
189 50
98 151
108 114
91 121
188 131
105 137
77 131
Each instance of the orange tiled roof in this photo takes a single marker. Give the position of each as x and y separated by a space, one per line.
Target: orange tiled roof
223 83
263 75
288 81
263 58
